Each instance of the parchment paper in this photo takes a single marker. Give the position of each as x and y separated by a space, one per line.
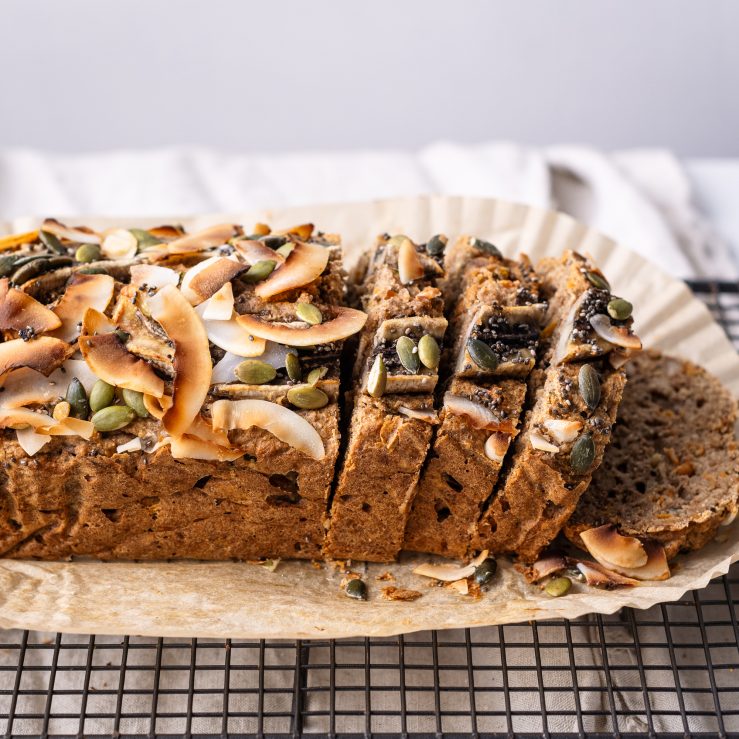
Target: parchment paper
300 600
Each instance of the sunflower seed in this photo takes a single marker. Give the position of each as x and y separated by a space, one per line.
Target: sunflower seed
309 313
255 372
259 271
582 455
113 418
292 365
377 380
482 355
588 384
487 247
316 374
50 241
408 354
307 397
88 253
598 281
77 399
356 589
428 351
101 396
558 587
135 401
620 309
436 245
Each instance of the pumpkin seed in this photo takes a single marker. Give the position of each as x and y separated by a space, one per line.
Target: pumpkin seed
356 589
274 242
259 270
482 355
316 374
92 271
309 313
582 455
588 384
377 380
135 401
101 396
38 267
7 264
436 245
77 399
88 253
558 587
113 418
487 247
144 238
307 397
397 240
598 281
123 336
407 352
620 309
50 241
292 365
285 249
485 571
428 351
255 372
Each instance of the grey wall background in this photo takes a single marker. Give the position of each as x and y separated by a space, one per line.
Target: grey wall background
81 75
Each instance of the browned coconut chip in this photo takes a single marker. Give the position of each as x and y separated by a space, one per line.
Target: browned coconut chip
205 239
200 284
256 251
19 311
547 565
410 266
203 429
69 427
191 447
304 264
44 354
606 544
82 292
23 418
157 407
479 416
192 363
347 321
601 577
303 232
15 240
79 235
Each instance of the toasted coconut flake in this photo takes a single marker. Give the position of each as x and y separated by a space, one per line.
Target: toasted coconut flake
208 277
561 430
130 446
73 368
256 251
600 577
157 407
15 240
83 292
478 416
191 447
191 359
543 445
153 276
730 516
410 266
450 572
656 567
346 322
283 423
460 586
231 336
610 548
166 232
18 311
303 232
616 335
304 264
94 322
202 240
220 307
619 357
203 429
78 235
44 354
119 244
496 446
548 565
427 416
69 427
31 441
24 386
18 418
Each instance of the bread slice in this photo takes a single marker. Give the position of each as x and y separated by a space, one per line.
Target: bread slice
574 396
390 427
671 472
498 305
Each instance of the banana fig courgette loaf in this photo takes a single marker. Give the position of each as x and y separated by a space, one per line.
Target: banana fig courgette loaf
395 373
169 395
492 338
671 472
574 395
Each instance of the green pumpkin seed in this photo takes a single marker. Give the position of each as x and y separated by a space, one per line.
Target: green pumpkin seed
485 571
356 589
316 374
558 587
292 365
408 354
588 384
7 265
285 249
76 396
38 267
307 397
101 396
88 253
143 238
135 401
260 270
113 418
309 313
487 247
620 309
398 240
123 336
582 455
598 281
92 271
274 242
51 242
377 380
482 355
428 351
255 372
436 245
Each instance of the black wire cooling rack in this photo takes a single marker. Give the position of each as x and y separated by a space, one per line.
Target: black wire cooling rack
672 670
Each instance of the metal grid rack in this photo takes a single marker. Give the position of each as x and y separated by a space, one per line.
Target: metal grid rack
672 670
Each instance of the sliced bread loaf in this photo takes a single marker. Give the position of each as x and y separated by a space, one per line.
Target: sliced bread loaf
671 472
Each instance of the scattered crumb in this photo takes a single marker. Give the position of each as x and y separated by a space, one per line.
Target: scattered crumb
686 468
460 586
316 565
474 590
392 593
385 576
